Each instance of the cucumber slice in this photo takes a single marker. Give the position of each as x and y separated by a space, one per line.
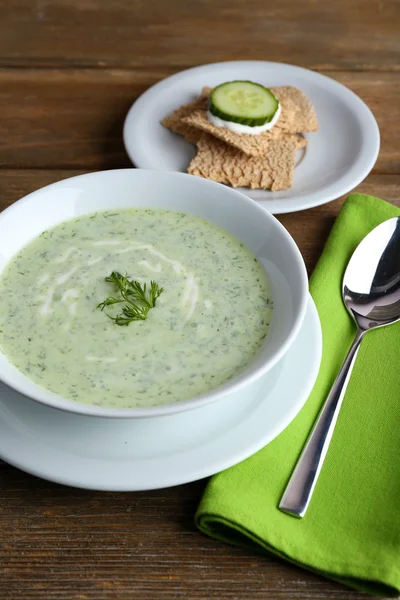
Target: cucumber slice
243 102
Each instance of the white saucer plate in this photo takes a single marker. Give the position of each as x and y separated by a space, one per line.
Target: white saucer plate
150 453
337 158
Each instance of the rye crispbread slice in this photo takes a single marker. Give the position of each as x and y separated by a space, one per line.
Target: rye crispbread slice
223 163
174 120
297 112
252 145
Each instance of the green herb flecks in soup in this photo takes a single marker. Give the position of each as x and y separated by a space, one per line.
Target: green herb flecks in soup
206 326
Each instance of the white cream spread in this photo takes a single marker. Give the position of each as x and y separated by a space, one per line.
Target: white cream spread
239 128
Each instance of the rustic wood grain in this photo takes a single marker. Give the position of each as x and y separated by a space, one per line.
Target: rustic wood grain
73 118
69 71
343 34
59 543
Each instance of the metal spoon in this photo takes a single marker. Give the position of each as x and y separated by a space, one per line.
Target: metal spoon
371 294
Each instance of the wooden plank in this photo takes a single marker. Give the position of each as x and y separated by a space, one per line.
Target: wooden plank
345 34
14 184
69 71
73 118
65 544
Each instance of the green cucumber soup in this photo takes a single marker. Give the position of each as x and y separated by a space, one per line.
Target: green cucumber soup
206 326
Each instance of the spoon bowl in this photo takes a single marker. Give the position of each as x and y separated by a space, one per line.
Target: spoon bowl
371 283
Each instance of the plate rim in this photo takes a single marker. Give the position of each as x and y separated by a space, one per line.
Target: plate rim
24 462
275 206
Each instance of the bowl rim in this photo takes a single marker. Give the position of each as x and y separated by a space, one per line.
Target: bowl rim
67 405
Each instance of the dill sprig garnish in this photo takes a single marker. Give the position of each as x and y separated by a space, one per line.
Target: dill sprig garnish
138 299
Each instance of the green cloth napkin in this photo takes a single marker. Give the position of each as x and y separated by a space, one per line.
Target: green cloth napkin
351 531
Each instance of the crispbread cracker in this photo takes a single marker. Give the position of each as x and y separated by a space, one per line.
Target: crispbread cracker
264 161
222 163
297 112
252 145
174 120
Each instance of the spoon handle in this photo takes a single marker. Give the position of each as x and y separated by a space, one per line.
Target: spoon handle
301 485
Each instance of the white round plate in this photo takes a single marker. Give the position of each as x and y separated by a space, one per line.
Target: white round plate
144 454
337 158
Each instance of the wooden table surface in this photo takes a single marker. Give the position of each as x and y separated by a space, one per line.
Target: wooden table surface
69 70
